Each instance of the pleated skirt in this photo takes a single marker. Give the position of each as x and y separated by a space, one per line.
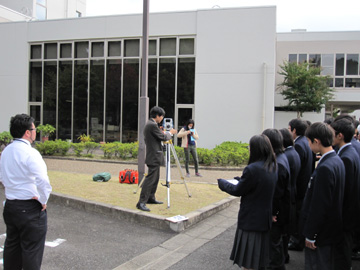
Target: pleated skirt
251 249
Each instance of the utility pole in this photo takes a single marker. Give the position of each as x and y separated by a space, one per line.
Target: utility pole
144 100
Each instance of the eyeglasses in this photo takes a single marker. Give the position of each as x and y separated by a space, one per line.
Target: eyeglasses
32 129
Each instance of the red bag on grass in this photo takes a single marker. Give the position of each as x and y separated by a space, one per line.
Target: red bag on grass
128 177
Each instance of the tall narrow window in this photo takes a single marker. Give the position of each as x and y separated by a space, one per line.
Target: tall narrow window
35 81
49 101
65 100
186 81
339 67
152 84
352 64
167 85
41 10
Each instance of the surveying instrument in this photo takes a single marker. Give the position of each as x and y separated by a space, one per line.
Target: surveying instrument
168 146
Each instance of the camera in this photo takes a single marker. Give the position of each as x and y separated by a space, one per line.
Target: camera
168 124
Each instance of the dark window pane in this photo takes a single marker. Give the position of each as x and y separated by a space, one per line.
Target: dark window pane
49 104
292 58
65 100
35 51
152 82
186 46
167 46
65 50
339 82
186 81
352 82
80 98
36 114
97 49
315 60
302 58
339 69
114 48
152 47
352 64
113 100
96 127
50 51
130 100
35 81
81 49
167 86
132 47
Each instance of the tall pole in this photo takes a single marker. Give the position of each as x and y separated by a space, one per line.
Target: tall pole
144 100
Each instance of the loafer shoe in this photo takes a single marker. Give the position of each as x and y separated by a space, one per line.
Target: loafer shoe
198 174
142 207
154 202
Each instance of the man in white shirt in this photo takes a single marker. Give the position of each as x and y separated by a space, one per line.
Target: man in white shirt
23 173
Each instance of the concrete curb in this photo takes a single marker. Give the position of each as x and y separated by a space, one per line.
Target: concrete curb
137 216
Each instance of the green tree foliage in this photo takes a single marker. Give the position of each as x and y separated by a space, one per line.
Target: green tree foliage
303 88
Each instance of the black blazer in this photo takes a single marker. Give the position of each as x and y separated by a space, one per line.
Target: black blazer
351 206
356 144
281 201
256 188
321 214
153 137
306 157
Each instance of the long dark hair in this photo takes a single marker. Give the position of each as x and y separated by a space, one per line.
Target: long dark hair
276 140
261 150
190 121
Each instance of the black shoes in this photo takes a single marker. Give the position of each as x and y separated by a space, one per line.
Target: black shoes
154 202
142 207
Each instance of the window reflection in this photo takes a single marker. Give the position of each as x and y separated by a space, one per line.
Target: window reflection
50 82
65 100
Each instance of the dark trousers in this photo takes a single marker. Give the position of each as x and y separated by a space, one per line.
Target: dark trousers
277 257
26 227
150 184
191 149
343 252
322 258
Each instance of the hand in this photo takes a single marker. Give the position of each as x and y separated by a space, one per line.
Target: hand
173 131
274 218
237 178
310 245
188 132
43 207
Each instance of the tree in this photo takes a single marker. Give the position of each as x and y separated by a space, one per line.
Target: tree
304 88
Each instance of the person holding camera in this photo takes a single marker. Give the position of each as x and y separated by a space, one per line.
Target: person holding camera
153 137
188 137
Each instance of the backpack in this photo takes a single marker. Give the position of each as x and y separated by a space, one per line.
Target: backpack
128 177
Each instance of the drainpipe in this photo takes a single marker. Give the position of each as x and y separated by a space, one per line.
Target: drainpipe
264 94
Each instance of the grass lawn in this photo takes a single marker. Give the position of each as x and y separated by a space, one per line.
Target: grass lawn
114 193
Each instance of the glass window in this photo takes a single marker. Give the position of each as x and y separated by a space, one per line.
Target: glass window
167 85
35 52
65 50
327 64
302 58
167 46
339 82
49 101
97 49
152 82
41 2
352 82
352 64
292 58
152 47
186 46
35 81
35 112
339 67
80 98
186 81
130 100
50 51
315 60
114 48
96 109
132 47
113 100
40 12
65 100
82 49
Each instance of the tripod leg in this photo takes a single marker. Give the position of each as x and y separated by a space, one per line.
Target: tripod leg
179 167
140 184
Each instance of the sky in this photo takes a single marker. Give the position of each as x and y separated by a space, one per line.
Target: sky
312 15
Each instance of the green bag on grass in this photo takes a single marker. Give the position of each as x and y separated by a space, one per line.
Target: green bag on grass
102 177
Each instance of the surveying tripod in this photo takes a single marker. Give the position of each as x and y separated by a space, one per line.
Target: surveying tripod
169 147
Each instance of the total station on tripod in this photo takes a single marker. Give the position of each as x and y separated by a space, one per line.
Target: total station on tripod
168 124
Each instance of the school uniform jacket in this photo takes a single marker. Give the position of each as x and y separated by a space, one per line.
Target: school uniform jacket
321 216
306 157
256 188
351 206
356 144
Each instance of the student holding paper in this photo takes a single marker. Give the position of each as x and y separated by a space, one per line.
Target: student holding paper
188 137
256 188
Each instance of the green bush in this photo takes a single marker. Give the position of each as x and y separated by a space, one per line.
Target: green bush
231 153
5 138
110 149
205 156
47 148
78 148
90 147
62 147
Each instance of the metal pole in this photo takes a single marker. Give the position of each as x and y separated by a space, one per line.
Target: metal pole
144 100
168 177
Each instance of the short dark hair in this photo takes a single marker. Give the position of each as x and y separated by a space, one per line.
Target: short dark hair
299 125
19 124
345 127
156 111
321 131
276 139
190 121
261 149
345 116
287 137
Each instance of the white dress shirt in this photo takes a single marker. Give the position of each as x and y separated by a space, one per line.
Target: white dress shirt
24 173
